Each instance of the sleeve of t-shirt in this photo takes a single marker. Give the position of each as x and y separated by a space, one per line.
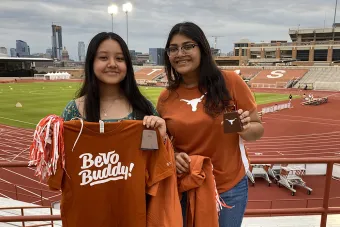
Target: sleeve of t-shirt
160 102
160 165
242 94
55 181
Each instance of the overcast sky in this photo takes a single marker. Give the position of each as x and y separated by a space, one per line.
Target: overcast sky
151 20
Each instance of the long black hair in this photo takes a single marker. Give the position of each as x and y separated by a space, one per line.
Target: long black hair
210 77
90 88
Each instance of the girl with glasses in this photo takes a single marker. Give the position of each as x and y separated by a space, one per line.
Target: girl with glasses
193 106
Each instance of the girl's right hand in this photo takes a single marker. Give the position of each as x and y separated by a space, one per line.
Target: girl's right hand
182 162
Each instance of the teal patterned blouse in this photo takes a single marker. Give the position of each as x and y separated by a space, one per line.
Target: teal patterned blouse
71 111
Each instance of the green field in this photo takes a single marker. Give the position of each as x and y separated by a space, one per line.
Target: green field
40 99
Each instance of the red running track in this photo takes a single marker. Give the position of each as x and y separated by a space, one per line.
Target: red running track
17 183
302 131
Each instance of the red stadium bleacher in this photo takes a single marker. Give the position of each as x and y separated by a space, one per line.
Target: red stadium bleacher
245 73
278 78
148 73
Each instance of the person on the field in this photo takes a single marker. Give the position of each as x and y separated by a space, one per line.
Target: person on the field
193 104
310 97
109 91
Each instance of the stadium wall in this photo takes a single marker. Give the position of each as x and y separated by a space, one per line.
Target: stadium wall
75 73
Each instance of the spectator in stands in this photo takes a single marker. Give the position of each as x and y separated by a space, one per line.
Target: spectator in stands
193 105
110 91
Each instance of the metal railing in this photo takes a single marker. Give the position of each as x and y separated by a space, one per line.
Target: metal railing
27 192
24 218
274 203
324 210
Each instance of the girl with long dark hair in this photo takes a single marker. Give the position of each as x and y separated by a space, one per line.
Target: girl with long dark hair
193 105
109 91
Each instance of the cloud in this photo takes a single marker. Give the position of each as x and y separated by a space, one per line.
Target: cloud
151 20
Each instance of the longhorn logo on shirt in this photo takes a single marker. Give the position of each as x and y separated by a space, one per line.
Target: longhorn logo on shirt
113 170
193 102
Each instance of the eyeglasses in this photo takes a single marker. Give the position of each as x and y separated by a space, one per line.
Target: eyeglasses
186 49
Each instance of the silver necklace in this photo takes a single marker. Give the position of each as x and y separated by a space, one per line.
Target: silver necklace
109 107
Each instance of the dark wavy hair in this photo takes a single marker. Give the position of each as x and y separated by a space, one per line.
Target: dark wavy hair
210 78
90 88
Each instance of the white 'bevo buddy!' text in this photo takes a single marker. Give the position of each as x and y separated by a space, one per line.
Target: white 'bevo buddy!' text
113 169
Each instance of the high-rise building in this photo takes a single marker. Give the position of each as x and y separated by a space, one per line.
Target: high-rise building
48 53
13 52
22 49
57 41
81 51
156 55
3 51
133 54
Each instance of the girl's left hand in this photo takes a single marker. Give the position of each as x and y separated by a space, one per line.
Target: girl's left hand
245 119
155 123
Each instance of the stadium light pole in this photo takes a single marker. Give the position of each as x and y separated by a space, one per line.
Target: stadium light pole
127 7
336 5
333 26
112 9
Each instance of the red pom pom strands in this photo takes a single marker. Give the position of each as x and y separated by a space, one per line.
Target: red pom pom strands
47 148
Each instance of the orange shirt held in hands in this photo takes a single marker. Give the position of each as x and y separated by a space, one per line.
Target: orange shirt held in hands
107 176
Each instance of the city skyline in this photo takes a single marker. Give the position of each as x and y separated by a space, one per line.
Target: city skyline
257 21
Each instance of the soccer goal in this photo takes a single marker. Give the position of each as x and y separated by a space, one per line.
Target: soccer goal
39 76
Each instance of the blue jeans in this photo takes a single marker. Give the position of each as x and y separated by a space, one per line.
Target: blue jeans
237 197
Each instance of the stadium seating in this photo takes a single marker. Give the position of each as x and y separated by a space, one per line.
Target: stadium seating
148 73
321 78
276 78
245 73
318 78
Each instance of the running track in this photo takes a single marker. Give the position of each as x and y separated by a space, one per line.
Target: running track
299 132
17 182
302 131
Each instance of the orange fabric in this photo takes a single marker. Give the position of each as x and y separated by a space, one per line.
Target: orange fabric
107 176
164 209
196 133
201 189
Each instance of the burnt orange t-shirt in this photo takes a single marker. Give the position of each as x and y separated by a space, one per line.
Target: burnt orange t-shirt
196 133
107 174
